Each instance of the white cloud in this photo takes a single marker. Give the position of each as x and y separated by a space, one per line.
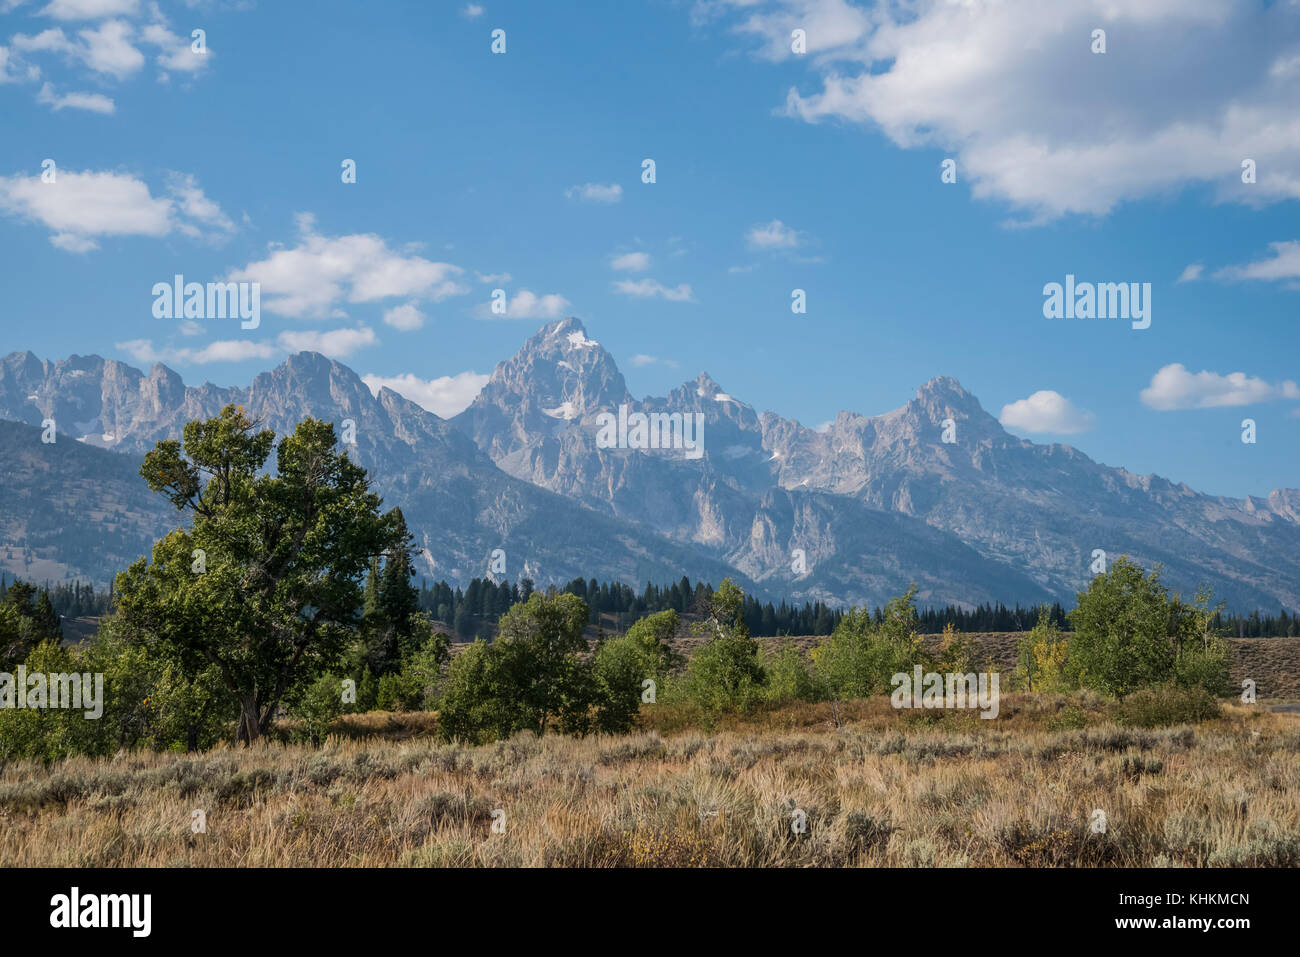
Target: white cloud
1012 91
94 102
335 343
444 396
631 262
79 207
773 235
225 350
108 49
89 9
1191 273
595 193
493 278
650 289
1046 411
321 273
194 203
472 11
528 305
1285 264
176 52
53 40
645 360
1173 387
405 317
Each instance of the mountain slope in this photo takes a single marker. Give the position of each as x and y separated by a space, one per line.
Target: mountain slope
1037 512
935 492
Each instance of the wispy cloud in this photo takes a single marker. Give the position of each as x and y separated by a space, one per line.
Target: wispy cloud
526 304
631 262
651 289
1284 264
773 235
595 193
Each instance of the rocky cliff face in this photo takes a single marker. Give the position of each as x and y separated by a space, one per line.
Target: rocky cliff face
935 492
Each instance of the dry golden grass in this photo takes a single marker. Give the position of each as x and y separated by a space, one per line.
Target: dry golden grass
883 788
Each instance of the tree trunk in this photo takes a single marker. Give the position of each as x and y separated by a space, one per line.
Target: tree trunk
249 726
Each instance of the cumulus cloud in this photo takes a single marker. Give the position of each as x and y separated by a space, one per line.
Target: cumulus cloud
1191 273
321 273
1174 387
104 38
595 193
444 396
526 304
1046 411
631 262
1013 91
335 343
773 235
405 317
80 207
651 289
472 11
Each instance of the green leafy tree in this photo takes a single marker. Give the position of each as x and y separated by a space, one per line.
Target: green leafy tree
264 586
478 702
317 708
1042 655
789 676
622 665
537 673
1200 649
862 654
725 674
1122 638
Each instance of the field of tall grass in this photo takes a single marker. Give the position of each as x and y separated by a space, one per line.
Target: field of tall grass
875 786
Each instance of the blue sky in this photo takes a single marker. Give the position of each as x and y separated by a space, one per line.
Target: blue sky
775 170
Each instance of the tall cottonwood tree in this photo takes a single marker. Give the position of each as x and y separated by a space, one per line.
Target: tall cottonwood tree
264 586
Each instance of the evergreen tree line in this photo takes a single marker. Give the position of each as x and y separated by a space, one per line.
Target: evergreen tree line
476 610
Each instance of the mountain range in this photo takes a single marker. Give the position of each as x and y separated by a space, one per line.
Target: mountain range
935 492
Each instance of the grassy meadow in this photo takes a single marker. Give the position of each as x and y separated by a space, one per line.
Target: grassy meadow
876 787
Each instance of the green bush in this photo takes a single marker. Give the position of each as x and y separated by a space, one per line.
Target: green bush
861 656
1164 706
790 676
317 709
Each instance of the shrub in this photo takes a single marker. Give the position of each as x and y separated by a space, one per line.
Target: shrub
861 656
1166 705
317 708
789 676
